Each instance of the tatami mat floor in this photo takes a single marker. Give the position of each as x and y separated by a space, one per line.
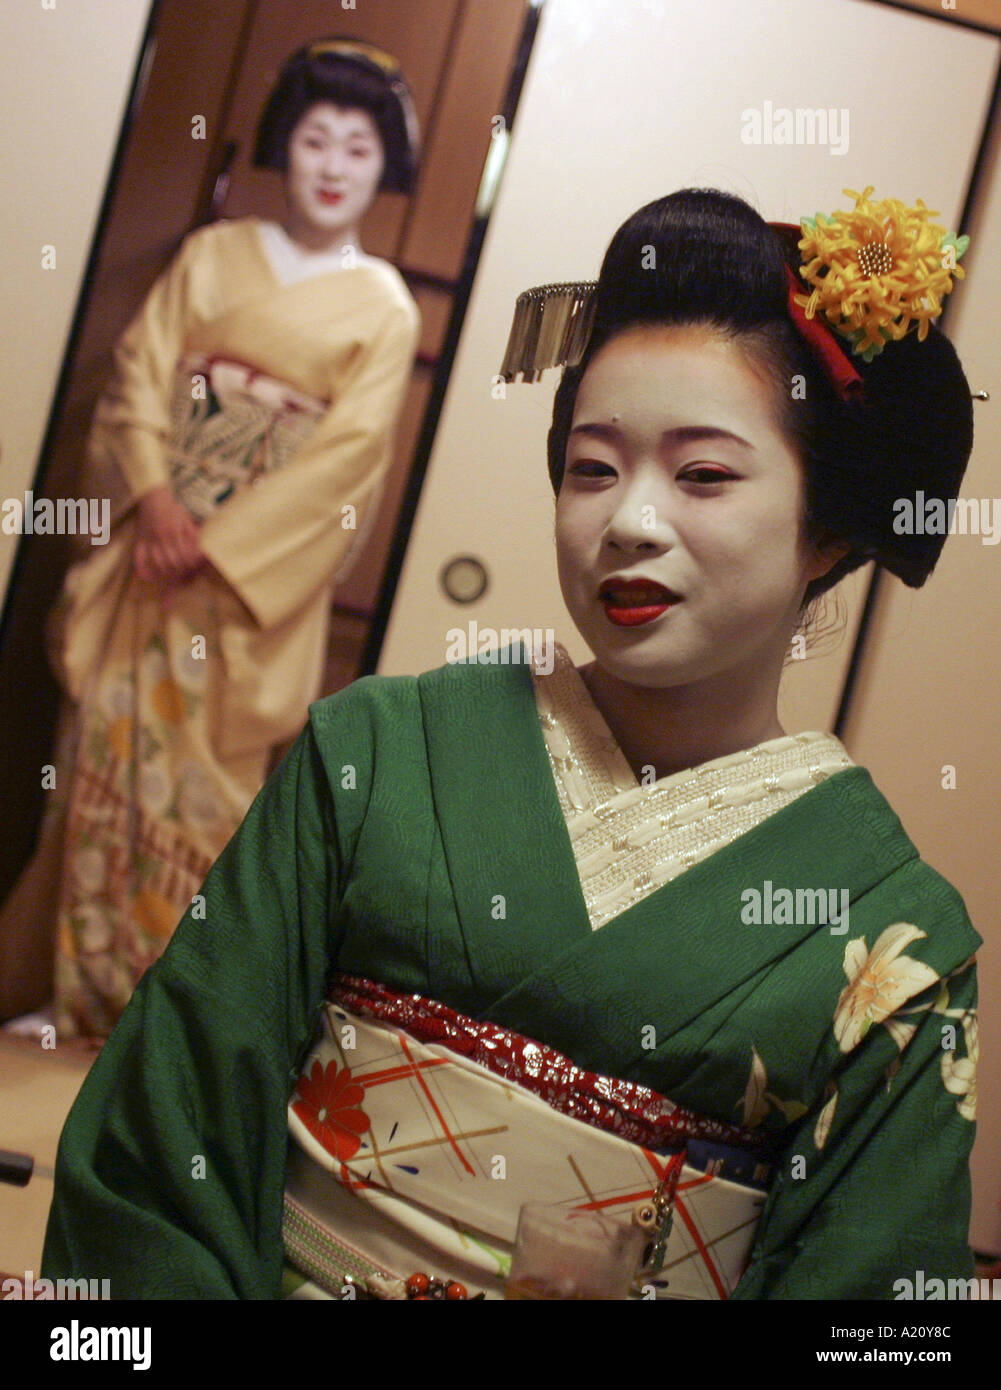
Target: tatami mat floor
37 1088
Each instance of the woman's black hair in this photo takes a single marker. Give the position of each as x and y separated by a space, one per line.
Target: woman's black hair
704 256
349 80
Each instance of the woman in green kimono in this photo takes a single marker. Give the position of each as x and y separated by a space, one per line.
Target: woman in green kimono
610 937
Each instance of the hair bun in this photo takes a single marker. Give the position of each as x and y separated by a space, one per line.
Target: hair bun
911 435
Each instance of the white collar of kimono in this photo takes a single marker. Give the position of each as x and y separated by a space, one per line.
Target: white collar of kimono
628 839
292 262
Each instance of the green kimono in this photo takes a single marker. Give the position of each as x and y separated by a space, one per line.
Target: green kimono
405 812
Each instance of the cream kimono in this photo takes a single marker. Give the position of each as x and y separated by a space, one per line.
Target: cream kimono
269 408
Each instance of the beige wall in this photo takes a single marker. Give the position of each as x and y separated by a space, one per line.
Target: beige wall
56 160
928 696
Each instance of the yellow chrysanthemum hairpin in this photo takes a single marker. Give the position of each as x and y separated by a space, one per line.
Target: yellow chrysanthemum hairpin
877 270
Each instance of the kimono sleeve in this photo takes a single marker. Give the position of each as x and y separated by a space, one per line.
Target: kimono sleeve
170 1170
280 541
131 423
873 1197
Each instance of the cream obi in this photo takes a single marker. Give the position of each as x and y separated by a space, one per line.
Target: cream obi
409 1156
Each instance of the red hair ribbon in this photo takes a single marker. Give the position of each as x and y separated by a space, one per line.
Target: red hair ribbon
819 338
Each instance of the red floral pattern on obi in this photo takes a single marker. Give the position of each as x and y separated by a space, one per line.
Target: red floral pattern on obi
328 1103
625 1108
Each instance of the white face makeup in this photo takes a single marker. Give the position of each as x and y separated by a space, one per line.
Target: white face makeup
677 472
335 162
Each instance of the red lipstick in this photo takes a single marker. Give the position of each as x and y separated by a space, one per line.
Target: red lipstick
632 602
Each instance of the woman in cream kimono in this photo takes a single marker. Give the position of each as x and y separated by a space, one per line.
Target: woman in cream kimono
243 443
607 938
